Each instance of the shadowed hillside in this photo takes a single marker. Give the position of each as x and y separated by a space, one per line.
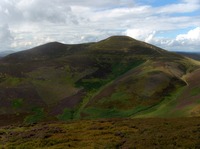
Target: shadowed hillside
115 77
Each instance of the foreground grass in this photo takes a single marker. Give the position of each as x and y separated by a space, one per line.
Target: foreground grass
106 133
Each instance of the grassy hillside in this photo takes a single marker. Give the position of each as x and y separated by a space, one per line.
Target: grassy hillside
116 77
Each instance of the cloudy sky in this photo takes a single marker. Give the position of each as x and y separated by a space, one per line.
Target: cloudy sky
170 24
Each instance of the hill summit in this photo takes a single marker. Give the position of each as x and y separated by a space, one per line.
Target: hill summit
115 77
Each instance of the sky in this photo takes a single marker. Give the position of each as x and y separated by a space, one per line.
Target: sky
170 24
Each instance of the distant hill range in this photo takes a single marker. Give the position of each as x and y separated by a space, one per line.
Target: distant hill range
193 55
115 77
5 53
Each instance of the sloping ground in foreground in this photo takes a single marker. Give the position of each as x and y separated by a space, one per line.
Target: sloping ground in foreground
109 133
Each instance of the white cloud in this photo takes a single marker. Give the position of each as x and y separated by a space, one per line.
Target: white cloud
51 11
6 37
193 35
34 22
183 7
141 34
99 4
5 34
189 41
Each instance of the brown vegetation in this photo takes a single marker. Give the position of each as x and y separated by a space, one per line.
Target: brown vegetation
105 133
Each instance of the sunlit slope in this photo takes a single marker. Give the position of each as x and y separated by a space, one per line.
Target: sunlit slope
183 102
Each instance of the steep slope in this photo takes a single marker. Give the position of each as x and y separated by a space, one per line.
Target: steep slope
116 77
183 102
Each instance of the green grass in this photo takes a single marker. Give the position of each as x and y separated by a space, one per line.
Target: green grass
117 69
38 115
195 91
17 103
94 112
79 108
53 85
118 99
164 107
95 85
120 68
12 81
66 115
120 96
198 101
52 91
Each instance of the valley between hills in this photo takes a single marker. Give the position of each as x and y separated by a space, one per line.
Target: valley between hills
109 92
